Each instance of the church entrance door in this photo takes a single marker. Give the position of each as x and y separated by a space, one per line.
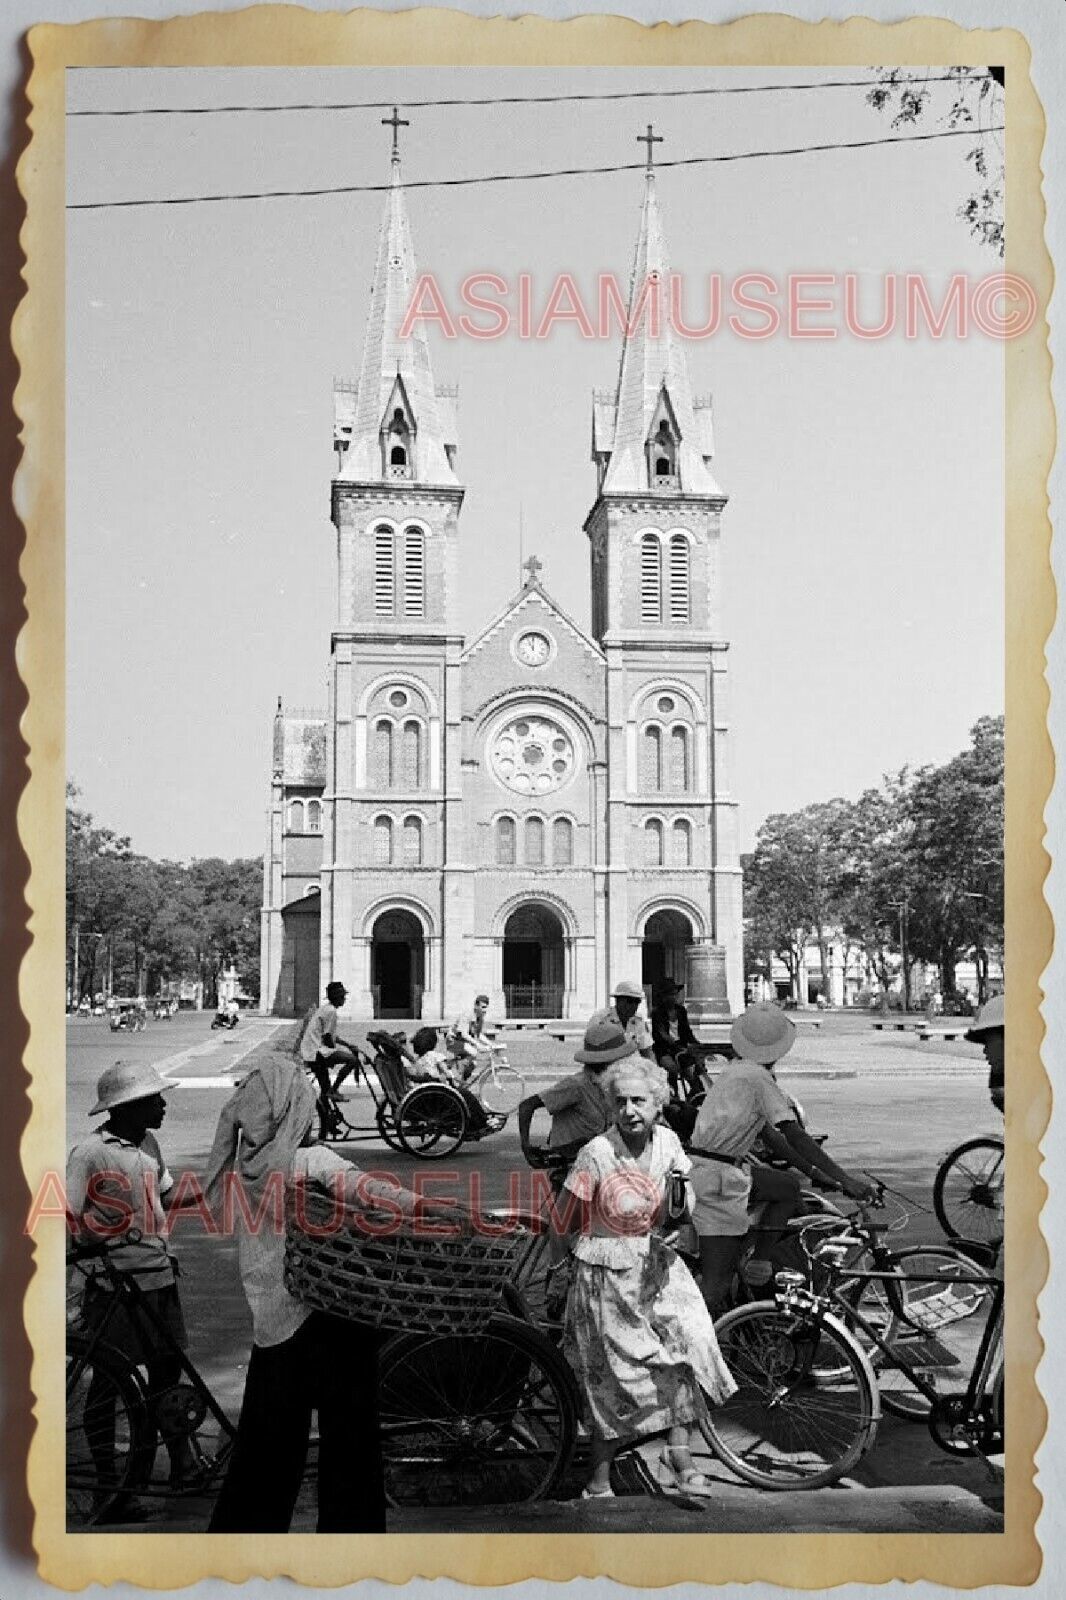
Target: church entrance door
534 962
667 936
398 956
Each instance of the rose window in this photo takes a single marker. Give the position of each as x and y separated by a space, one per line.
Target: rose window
532 755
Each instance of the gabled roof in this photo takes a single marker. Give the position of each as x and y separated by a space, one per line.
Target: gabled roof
531 595
387 357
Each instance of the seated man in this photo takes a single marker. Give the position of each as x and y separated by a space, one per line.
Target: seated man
428 1063
627 998
744 1103
677 1050
320 1049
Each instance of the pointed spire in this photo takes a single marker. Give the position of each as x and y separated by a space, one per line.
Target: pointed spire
396 374
653 367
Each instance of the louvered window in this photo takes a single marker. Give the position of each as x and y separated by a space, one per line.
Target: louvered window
383 755
296 817
412 842
681 844
679 578
414 573
505 842
534 842
383 841
651 581
412 756
679 760
653 844
562 842
384 572
652 766
314 817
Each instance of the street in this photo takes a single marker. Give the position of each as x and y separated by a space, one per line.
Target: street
890 1104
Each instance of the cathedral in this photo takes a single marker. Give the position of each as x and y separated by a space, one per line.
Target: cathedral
538 811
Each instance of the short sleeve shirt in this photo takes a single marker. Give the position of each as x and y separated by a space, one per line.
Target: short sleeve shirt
637 1029
744 1100
115 1186
323 1021
578 1109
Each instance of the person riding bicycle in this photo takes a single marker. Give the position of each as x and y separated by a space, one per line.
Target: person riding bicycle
320 1049
989 1031
428 1063
676 1048
117 1184
744 1103
578 1109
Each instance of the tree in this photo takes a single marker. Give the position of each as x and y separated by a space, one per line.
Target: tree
978 104
792 885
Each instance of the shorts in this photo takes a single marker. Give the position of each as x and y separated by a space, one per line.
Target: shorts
136 1337
722 1193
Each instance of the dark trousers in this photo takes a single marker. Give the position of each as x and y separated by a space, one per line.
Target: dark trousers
779 1192
329 1366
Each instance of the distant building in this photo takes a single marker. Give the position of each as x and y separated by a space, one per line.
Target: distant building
541 810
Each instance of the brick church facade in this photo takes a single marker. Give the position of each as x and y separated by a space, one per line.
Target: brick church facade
537 811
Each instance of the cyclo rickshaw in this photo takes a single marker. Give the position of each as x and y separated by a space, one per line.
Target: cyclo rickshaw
128 1016
427 1120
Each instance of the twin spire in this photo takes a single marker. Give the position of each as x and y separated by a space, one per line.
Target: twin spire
397 423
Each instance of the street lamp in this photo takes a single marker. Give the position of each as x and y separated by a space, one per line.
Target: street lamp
980 954
902 907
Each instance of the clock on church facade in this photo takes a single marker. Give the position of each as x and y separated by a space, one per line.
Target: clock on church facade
541 809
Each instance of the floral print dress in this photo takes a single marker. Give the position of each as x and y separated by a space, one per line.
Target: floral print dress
638 1333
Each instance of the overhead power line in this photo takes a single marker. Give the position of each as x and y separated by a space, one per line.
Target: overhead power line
524 177
517 99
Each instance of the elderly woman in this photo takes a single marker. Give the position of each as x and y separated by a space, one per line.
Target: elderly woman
638 1333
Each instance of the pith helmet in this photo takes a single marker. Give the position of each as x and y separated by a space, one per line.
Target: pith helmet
604 1042
127 1081
991 1015
763 1033
626 989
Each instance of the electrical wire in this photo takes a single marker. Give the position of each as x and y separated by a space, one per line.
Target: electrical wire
519 177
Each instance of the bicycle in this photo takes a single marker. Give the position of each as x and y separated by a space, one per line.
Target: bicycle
807 1407
968 1191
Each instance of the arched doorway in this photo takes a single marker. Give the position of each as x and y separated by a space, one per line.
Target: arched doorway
534 962
397 964
667 935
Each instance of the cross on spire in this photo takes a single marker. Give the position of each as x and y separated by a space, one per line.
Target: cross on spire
396 123
650 138
533 566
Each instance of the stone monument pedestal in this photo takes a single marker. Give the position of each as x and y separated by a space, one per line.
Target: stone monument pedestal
706 991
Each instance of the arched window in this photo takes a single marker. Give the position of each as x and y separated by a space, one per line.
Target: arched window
679 760
414 572
314 816
412 842
384 572
651 579
663 453
534 842
383 841
412 756
652 764
296 816
383 754
681 843
562 842
505 842
679 584
398 456
653 843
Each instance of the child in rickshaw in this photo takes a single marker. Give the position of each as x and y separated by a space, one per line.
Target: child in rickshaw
428 1063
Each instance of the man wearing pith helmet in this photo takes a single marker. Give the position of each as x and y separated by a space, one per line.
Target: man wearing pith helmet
745 1103
117 1183
627 998
989 1031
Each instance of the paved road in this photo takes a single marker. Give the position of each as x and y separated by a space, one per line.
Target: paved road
890 1103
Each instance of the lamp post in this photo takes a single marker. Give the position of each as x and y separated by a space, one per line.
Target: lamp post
980 954
902 907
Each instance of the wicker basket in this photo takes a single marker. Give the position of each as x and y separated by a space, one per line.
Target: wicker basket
414 1282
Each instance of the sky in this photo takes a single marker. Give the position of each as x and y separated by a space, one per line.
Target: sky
862 548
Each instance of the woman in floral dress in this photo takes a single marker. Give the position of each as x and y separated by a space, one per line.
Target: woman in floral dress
638 1332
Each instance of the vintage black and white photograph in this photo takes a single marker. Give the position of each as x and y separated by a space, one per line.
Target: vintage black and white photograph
535 963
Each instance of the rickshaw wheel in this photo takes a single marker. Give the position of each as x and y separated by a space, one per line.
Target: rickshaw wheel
431 1121
386 1125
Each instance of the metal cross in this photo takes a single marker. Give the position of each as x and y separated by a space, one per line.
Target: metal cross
649 139
396 123
533 566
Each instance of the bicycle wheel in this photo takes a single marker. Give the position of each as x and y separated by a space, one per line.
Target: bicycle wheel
501 1090
431 1122
110 1433
543 1285
806 1408
932 1325
485 1420
386 1126
968 1191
